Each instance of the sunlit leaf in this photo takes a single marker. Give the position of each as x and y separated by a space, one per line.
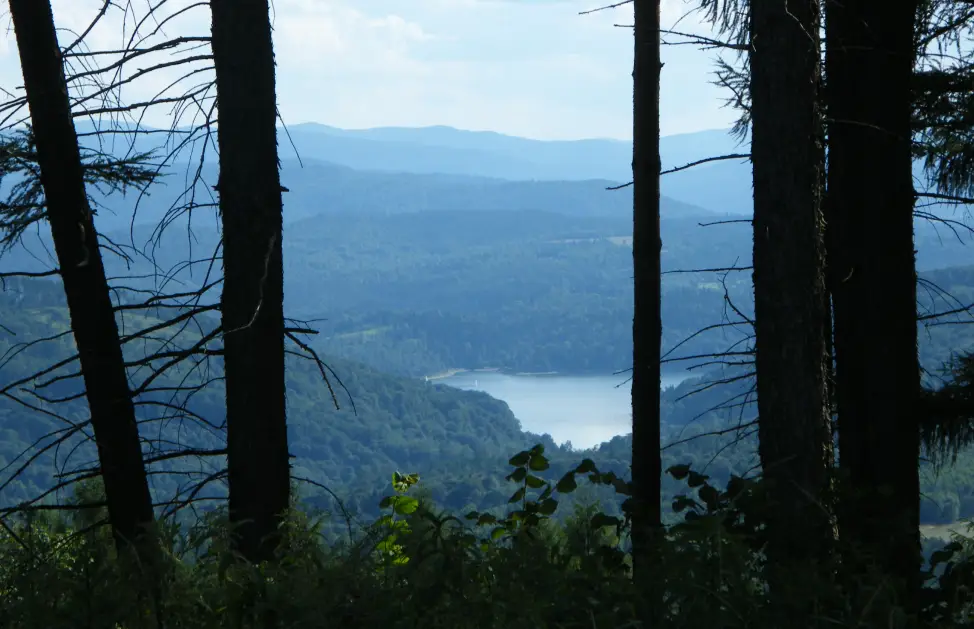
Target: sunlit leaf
405 505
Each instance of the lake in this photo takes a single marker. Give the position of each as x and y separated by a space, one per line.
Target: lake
585 410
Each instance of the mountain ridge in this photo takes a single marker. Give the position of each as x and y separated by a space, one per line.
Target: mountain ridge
722 187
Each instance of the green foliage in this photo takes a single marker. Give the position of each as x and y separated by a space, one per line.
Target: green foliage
454 439
416 566
25 203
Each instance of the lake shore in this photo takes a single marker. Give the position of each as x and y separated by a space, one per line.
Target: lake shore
943 531
449 373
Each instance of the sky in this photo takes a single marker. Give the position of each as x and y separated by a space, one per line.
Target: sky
533 68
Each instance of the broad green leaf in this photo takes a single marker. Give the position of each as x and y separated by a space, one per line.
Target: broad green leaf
402 482
679 472
406 505
547 506
626 506
538 463
735 485
696 479
520 459
682 503
400 525
533 482
600 519
622 487
518 495
710 496
567 484
586 466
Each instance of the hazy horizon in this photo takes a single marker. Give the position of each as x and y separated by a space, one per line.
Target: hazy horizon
359 64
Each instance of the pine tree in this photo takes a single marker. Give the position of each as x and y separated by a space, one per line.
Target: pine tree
869 68
253 287
647 325
82 271
790 300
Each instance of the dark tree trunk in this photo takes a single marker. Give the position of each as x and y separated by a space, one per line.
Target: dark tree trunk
253 289
869 63
83 274
646 324
790 299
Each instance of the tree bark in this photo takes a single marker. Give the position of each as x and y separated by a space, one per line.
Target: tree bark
790 299
869 64
83 274
646 324
253 285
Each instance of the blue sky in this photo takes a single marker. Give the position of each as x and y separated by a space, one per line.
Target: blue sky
525 67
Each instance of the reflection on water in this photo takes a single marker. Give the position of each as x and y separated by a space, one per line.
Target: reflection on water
585 410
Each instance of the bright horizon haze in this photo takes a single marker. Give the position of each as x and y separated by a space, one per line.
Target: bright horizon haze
528 68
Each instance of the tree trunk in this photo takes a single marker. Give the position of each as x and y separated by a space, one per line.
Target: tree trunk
253 285
646 324
869 63
83 274
790 299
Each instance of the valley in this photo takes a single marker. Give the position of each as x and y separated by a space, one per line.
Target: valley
631 315
410 275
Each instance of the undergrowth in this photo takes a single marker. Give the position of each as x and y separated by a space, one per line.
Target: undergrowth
417 567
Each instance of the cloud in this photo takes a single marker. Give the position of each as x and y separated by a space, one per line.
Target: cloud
527 67
531 67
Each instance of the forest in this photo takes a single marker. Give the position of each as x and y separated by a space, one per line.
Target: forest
219 336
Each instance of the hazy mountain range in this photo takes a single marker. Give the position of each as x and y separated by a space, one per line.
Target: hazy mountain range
474 166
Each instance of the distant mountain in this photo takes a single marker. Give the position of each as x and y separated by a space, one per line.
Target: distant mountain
719 186
722 186
319 188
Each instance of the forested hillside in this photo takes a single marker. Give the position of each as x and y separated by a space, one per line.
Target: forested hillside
456 440
321 188
419 293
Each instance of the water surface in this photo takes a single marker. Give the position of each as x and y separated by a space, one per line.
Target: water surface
585 410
